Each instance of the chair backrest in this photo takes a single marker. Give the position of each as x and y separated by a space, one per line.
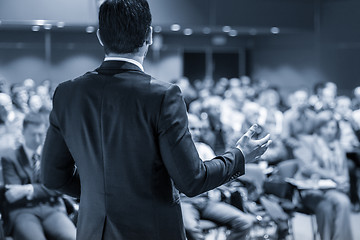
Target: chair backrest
254 174
288 168
277 185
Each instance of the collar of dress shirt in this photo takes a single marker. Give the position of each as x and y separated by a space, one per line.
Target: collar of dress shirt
125 60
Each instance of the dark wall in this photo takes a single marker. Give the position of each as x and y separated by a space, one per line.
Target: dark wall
325 45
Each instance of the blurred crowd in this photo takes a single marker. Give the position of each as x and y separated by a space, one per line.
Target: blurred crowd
316 127
17 100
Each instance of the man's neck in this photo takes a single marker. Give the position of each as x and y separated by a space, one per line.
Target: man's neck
135 57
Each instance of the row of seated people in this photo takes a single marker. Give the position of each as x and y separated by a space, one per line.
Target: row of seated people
227 108
319 155
224 120
34 212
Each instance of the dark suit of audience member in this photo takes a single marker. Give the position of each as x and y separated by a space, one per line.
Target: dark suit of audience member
33 212
118 139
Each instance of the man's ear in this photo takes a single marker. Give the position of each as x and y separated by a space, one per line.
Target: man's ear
99 37
149 37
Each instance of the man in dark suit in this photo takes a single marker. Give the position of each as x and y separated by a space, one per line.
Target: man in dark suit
119 140
33 211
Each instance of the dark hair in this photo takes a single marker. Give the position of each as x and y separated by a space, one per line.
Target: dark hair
323 118
124 25
33 118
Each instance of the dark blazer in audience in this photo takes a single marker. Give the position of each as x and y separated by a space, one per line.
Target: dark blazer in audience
45 209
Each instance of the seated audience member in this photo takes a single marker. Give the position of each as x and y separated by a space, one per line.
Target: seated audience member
187 90
216 134
348 126
298 121
322 156
355 102
35 103
196 106
231 115
350 143
10 127
20 98
33 211
231 108
7 139
204 207
314 99
43 91
276 151
327 97
270 115
220 87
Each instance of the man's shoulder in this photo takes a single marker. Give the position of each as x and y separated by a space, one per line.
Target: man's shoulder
76 80
161 85
9 154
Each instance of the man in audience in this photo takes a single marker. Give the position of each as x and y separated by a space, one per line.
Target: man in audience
276 151
8 138
118 139
34 212
298 121
206 205
350 143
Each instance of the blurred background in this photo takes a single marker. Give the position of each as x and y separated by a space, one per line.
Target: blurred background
288 43
280 63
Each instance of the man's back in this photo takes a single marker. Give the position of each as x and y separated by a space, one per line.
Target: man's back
127 133
114 119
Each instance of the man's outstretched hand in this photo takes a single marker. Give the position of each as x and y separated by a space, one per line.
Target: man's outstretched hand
252 149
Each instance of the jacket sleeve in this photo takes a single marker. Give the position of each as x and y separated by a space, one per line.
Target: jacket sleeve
191 175
11 177
58 170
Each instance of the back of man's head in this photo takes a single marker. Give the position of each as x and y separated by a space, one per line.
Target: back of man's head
124 25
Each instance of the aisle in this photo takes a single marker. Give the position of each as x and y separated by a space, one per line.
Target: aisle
302 226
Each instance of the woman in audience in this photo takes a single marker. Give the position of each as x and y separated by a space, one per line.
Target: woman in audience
322 156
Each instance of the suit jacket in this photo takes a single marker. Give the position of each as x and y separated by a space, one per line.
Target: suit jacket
17 170
119 140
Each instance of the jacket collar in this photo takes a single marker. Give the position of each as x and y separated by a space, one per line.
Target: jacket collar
113 67
24 162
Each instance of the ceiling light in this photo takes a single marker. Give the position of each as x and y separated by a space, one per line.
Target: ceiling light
90 29
40 22
188 31
233 33
226 29
35 28
274 30
157 29
175 27
60 24
47 26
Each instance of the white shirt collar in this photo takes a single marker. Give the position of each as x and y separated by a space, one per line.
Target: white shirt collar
125 60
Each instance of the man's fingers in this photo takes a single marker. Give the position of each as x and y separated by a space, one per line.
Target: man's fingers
251 131
267 144
262 141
